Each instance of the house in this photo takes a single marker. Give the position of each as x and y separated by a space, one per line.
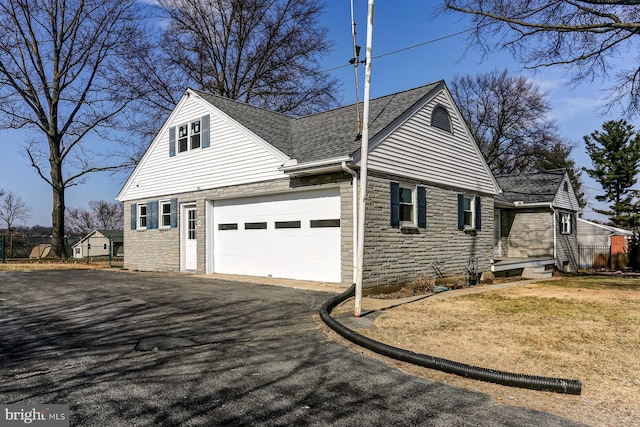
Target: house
535 223
225 187
99 243
593 234
598 244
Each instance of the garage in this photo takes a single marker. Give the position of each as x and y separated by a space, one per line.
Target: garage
294 235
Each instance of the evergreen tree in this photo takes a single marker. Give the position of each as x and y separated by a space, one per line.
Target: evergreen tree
615 156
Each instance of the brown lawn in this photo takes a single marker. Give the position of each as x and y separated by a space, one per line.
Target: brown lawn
584 328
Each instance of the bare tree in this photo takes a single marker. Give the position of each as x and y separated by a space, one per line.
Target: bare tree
13 210
61 65
101 215
507 116
587 36
262 52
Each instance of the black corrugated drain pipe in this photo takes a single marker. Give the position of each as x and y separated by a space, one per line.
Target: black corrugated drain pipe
557 385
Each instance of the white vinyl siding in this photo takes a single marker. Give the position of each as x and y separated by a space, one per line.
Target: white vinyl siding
418 150
234 157
566 199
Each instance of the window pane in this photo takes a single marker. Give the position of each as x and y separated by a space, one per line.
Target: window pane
255 225
406 212
227 226
468 219
467 204
406 195
195 141
195 127
287 224
182 145
182 131
324 223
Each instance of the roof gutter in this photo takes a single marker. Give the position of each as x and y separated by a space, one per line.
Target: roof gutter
315 167
523 205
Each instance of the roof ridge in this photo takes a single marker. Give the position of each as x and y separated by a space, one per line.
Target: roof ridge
244 104
547 171
373 99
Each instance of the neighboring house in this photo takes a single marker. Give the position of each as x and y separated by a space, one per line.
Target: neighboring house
226 187
535 219
99 243
598 242
594 234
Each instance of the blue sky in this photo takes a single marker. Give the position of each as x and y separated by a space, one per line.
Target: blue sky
575 109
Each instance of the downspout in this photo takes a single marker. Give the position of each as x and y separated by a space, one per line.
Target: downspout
354 187
555 235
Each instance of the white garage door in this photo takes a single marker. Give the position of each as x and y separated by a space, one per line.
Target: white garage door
294 236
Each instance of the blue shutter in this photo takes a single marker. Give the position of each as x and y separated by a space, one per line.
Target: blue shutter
478 212
422 206
205 130
394 191
152 214
460 212
134 219
174 213
172 141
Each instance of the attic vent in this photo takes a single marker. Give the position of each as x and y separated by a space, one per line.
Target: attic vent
440 118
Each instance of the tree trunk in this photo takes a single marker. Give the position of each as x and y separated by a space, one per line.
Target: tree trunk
58 248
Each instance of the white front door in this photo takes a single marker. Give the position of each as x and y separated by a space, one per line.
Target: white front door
190 238
497 233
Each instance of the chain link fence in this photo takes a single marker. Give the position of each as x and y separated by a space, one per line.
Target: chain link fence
94 248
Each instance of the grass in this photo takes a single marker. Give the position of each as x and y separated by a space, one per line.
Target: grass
585 328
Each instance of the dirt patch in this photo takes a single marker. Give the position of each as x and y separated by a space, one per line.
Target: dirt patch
588 331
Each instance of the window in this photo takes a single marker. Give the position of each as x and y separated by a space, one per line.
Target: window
230 226
183 138
565 187
408 206
195 135
165 214
104 246
469 212
565 223
154 214
440 119
288 224
142 216
255 225
190 136
324 223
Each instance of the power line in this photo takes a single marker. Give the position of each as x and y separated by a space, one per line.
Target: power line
407 48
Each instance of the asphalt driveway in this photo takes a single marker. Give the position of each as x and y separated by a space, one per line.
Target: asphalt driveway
128 349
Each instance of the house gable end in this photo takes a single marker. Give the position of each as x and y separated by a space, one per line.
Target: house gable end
233 155
411 146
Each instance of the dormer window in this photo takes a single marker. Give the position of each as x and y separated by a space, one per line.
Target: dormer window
190 136
440 119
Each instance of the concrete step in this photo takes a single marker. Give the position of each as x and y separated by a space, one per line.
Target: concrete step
536 273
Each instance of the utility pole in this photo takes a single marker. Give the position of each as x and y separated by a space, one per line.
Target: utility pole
364 154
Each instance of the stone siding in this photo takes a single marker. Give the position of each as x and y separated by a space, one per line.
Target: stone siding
394 255
159 249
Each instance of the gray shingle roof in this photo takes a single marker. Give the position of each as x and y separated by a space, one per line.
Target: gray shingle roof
322 135
534 187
